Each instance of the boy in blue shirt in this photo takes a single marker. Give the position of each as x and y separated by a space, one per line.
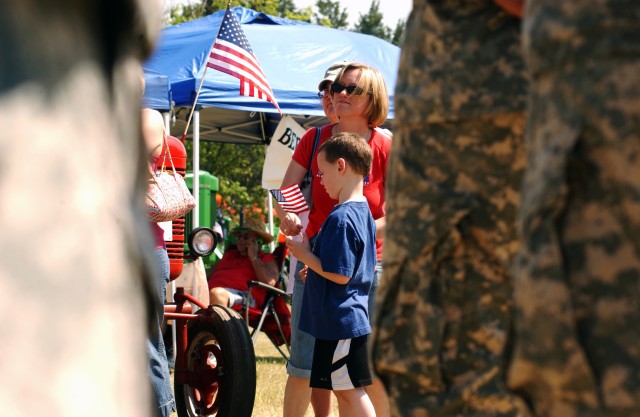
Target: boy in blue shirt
340 275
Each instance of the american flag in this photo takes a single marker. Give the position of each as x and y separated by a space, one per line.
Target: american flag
232 54
290 199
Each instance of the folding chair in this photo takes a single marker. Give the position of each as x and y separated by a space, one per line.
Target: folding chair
271 314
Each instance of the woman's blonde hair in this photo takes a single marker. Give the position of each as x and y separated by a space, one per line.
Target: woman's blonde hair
371 82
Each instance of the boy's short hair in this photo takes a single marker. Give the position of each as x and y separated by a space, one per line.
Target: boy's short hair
352 148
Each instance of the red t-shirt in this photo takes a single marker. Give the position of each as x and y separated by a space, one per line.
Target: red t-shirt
235 271
373 190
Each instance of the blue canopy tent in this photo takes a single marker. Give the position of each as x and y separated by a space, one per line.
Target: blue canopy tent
157 91
292 54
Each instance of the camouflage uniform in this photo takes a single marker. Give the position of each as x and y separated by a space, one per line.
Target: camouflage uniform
577 276
445 300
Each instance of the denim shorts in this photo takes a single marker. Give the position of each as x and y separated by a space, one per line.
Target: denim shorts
372 294
302 343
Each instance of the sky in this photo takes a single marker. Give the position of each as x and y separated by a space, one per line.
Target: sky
391 10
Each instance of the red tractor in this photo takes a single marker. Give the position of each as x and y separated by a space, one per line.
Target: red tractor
215 367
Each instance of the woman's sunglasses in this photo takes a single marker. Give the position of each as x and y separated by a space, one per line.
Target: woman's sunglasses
337 88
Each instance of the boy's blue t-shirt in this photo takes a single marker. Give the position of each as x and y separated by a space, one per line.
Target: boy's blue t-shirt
346 245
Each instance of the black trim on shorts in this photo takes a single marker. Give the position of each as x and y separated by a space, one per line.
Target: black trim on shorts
348 372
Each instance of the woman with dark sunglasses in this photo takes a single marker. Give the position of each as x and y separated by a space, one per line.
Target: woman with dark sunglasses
358 95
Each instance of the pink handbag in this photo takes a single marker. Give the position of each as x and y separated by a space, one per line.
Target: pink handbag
168 197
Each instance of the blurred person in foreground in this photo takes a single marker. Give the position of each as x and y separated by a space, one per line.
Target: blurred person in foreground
74 274
154 135
445 301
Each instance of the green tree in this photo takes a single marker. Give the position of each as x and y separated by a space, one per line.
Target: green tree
398 32
239 169
331 14
265 6
371 22
288 9
282 8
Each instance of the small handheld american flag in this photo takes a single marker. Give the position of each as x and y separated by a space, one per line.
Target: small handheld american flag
290 199
232 54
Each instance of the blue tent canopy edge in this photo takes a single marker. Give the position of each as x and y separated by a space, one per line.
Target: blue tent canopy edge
292 54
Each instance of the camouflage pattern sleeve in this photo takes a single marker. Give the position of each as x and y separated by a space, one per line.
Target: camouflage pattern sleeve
444 304
577 275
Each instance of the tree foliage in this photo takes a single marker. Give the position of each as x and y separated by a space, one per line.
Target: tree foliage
281 8
371 24
331 14
239 170
398 32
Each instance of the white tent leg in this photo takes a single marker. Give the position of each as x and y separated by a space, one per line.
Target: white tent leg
272 245
195 214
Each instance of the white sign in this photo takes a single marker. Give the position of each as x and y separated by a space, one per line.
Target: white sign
278 155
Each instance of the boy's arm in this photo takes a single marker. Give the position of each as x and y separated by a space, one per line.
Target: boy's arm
302 251
313 262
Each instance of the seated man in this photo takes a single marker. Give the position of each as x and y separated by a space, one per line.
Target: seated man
229 283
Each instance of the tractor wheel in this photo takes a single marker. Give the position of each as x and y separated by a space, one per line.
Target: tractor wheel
221 368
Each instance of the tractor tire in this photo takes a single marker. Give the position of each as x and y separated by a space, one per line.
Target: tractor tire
221 366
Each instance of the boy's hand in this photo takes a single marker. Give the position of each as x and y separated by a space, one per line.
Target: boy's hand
298 245
303 273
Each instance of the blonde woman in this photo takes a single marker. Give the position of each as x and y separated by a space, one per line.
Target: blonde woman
360 100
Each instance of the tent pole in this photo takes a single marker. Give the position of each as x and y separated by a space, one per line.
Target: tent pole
195 216
196 168
272 245
167 120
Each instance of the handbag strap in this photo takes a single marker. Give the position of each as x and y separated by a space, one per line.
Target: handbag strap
308 175
165 143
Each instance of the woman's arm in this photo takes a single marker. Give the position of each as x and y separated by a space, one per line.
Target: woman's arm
381 224
152 131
